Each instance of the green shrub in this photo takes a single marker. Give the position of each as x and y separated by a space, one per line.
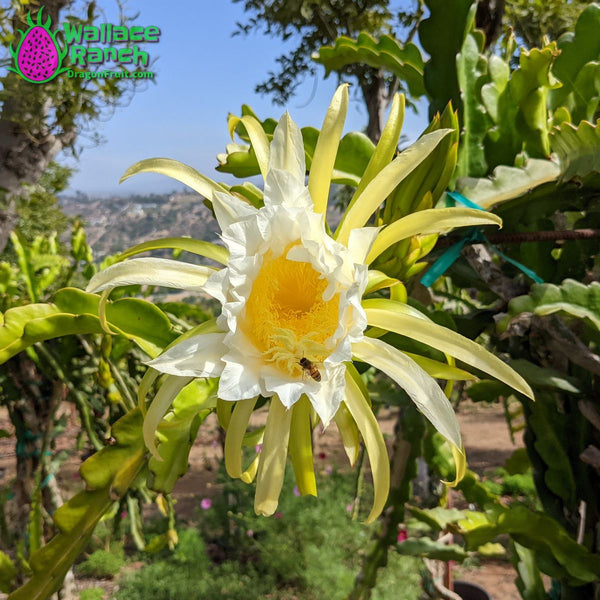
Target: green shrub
102 563
92 594
310 550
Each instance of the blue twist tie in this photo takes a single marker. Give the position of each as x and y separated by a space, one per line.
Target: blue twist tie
472 235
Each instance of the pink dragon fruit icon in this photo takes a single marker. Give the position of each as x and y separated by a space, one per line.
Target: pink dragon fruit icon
38 56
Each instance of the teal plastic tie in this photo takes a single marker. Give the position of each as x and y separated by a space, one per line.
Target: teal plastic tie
473 235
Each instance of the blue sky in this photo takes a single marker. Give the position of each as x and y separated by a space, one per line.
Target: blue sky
203 74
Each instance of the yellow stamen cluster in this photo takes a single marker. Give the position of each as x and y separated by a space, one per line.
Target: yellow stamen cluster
286 316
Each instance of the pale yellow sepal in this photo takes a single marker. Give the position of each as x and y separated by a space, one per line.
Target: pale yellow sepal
224 408
200 247
146 383
234 437
460 460
379 281
426 222
258 139
169 389
348 432
102 311
271 468
399 318
301 448
319 179
385 149
250 473
441 370
386 181
176 170
374 443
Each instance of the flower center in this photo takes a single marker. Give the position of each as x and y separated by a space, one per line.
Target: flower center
286 316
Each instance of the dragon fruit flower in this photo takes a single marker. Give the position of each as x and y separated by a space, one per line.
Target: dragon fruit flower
290 289
38 56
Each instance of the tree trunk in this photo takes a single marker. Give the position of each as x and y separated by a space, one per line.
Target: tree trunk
376 98
31 407
27 142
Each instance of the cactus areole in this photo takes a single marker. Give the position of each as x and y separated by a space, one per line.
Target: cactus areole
38 57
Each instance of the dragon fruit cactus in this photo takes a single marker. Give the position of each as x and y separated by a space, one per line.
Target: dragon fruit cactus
38 56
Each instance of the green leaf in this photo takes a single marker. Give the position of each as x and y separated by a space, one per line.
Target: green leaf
471 69
519 107
578 149
25 265
177 432
442 35
432 549
76 312
571 297
529 581
111 472
488 391
438 518
386 53
540 533
8 572
545 378
507 183
577 67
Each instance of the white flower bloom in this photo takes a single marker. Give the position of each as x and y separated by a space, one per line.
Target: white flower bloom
293 315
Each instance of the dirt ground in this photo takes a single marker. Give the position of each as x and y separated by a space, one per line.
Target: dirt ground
487 443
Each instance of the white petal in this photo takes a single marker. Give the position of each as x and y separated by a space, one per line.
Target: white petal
151 271
198 356
230 209
422 389
288 390
327 395
282 187
287 149
360 241
238 382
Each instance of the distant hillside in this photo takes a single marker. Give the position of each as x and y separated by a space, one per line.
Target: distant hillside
114 224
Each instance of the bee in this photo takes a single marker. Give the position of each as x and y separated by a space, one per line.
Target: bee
310 369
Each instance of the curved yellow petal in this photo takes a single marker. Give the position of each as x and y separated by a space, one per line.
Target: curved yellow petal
250 473
171 386
430 221
258 139
386 181
440 370
219 254
319 179
301 447
224 408
146 383
375 445
235 436
176 170
398 317
348 432
151 271
422 388
271 468
386 147
460 460
379 281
